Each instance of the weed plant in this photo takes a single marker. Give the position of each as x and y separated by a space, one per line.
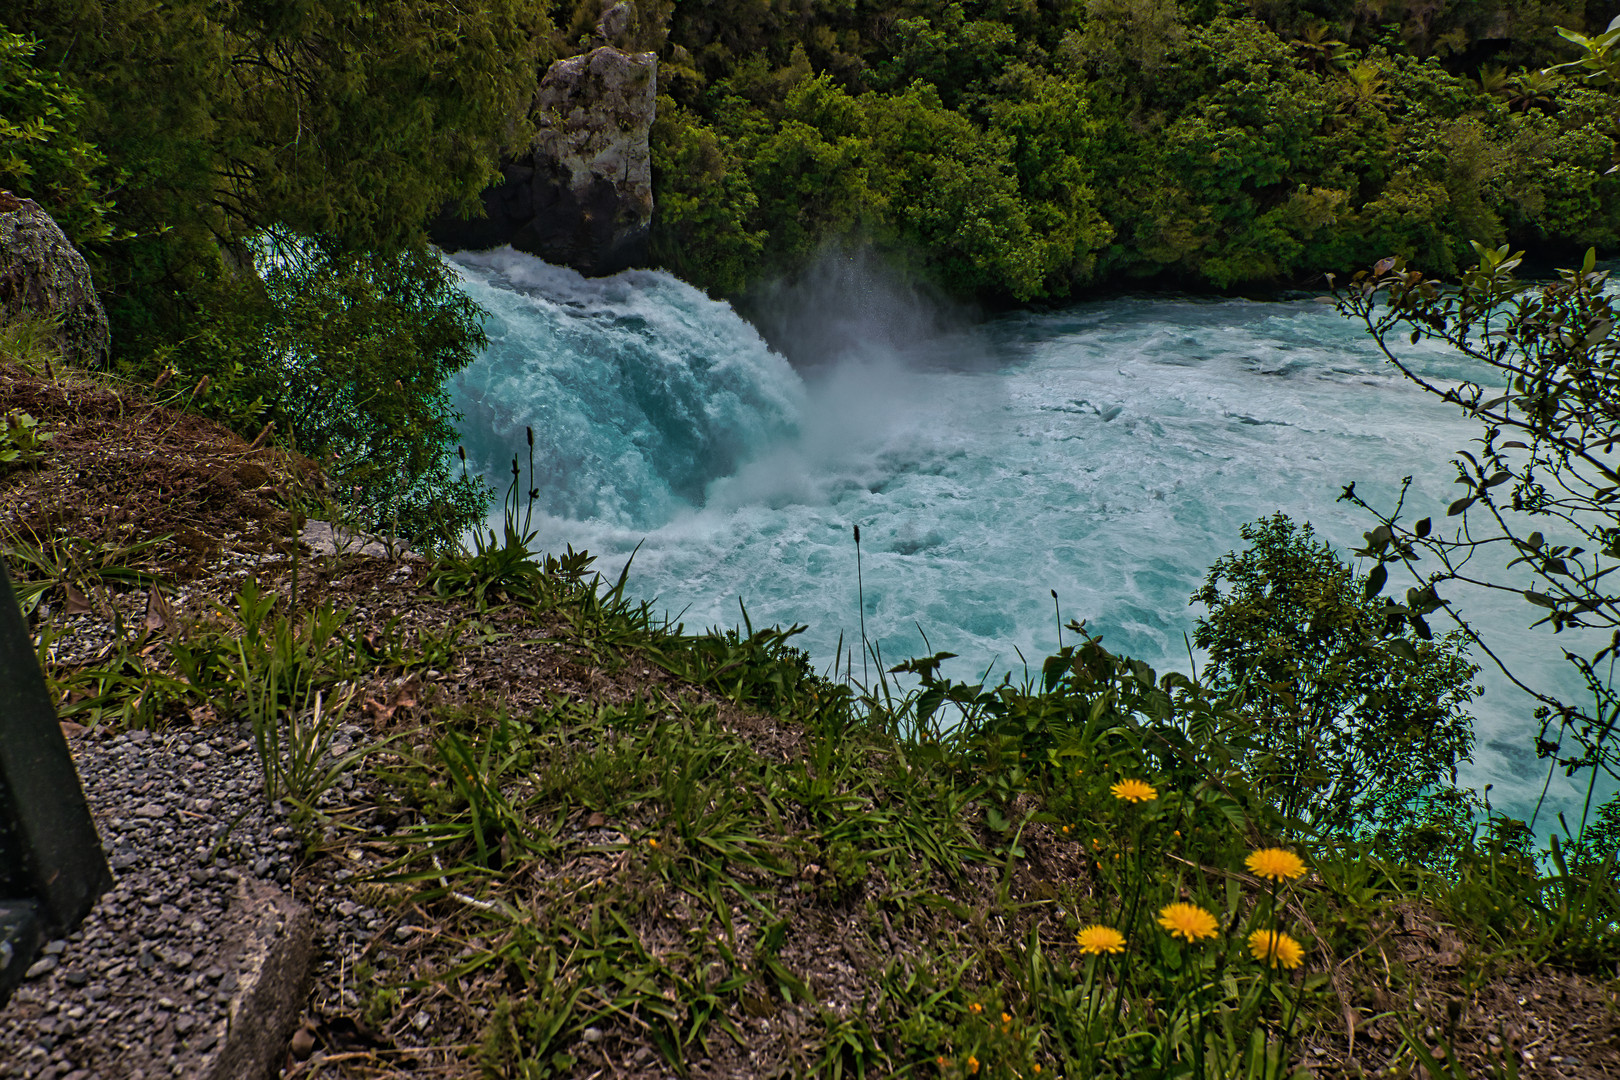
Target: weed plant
21 441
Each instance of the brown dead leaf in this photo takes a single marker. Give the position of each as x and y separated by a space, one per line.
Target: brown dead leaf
383 708
77 603
159 616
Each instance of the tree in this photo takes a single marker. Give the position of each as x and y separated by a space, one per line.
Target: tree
42 155
1539 512
338 128
1356 723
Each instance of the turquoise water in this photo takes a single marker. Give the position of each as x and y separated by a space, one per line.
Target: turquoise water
1109 451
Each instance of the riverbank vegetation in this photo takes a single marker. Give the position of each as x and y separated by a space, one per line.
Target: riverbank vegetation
1023 151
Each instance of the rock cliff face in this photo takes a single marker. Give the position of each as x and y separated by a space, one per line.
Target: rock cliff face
582 197
41 272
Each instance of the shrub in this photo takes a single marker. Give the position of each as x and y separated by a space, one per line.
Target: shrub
1356 718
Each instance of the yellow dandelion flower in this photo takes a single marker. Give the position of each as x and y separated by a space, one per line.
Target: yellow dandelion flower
1276 864
1188 921
1276 949
1134 791
1100 939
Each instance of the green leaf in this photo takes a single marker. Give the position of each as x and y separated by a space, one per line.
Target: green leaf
1403 649
1460 505
1422 528
1376 580
1540 599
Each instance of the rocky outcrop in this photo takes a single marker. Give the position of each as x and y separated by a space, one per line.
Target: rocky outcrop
582 196
41 272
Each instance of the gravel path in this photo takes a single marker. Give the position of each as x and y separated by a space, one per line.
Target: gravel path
142 985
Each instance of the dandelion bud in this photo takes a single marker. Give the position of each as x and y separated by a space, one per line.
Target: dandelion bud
462 450
514 467
529 431
857 534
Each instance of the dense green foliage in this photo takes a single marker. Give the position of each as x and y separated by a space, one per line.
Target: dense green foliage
348 125
1356 726
1022 150
42 154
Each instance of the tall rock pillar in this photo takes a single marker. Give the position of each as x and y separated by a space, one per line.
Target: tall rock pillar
582 196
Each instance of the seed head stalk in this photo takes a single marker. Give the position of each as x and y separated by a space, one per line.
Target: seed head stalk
860 597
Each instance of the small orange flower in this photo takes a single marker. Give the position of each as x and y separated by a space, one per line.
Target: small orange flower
1135 791
1006 1018
1188 922
1036 1066
942 1061
653 844
973 1064
1276 864
975 1008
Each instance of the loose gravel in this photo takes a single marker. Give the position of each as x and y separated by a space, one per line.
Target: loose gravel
138 990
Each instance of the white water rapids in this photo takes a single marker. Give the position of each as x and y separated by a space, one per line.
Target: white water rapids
1109 451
